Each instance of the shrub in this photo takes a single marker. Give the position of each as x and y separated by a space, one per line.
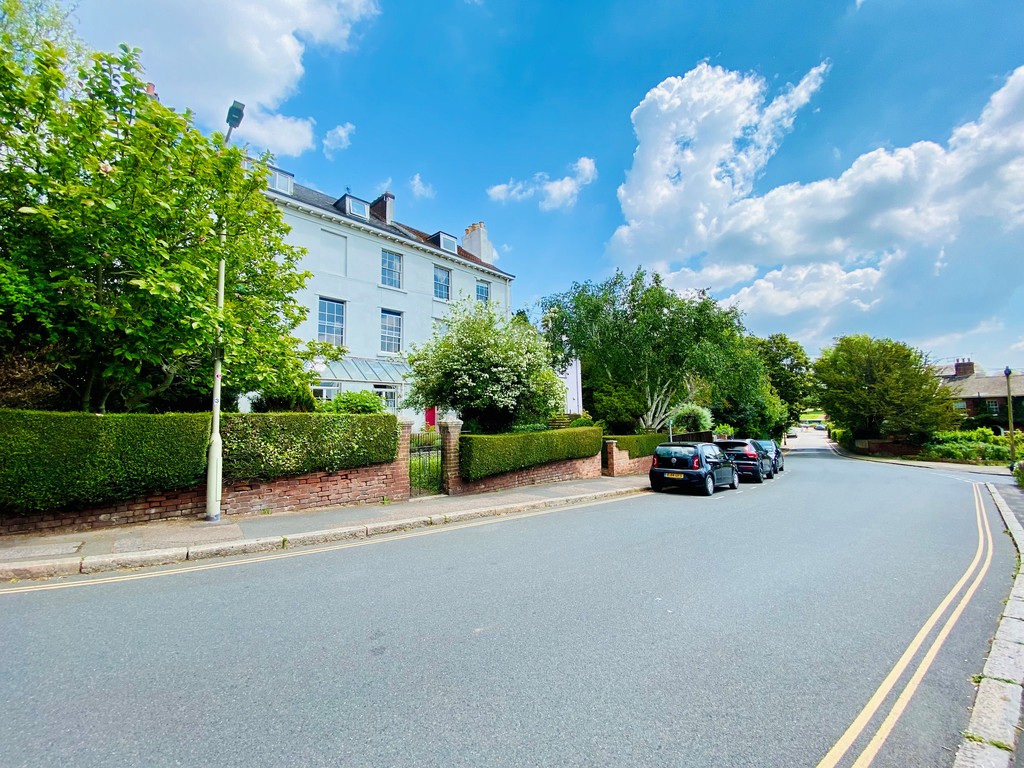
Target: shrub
582 421
724 429
690 417
284 400
363 401
486 455
639 445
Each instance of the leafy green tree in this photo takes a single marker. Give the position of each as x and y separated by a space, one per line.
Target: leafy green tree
788 369
355 402
638 334
493 371
742 394
881 388
112 210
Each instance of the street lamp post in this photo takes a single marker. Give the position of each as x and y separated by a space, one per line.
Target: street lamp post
1009 412
214 457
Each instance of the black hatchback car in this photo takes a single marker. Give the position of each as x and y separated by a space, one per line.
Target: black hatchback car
775 451
750 459
692 465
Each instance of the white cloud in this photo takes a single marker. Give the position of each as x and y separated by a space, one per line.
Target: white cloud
892 245
420 188
204 54
554 193
338 138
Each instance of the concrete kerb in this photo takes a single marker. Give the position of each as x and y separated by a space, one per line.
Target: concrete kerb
70 566
997 705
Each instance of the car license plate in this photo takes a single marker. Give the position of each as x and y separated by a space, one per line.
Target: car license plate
674 475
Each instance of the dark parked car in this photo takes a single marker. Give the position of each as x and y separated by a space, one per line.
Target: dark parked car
692 465
775 451
751 460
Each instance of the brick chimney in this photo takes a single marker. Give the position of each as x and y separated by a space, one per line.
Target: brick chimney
475 241
384 207
963 368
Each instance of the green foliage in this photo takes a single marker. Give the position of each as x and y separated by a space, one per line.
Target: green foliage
638 446
519 429
620 406
973 446
297 398
115 212
362 401
639 335
1018 473
582 421
690 417
271 445
788 369
54 461
492 370
881 388
724 430
486 455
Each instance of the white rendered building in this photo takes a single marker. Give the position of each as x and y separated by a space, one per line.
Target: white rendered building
379 286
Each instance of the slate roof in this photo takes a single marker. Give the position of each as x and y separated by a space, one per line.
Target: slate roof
977 386
317 199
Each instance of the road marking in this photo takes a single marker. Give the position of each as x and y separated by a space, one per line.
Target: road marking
284 554
859 724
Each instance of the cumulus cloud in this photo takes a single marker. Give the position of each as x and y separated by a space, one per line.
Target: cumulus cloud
420 188
204 54
338 138
893 239
553 193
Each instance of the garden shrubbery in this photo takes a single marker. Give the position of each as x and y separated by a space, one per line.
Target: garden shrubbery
482 456
54 461
979 445
639 446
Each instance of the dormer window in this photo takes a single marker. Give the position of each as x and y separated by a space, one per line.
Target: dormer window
445 242
280 181
358 208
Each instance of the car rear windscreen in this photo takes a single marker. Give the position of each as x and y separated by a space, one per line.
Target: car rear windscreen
675 451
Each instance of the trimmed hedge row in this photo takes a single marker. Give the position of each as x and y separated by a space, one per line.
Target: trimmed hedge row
54 461
482 456
267 446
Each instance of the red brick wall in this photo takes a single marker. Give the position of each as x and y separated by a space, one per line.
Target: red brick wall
320 489
454 485
619 463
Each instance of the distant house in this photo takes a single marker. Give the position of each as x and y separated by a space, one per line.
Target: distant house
379 286
975 393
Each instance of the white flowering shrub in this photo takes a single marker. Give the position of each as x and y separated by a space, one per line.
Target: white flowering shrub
494 371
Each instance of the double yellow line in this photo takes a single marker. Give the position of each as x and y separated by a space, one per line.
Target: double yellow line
860 723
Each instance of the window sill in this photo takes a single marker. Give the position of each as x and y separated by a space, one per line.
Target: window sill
392 288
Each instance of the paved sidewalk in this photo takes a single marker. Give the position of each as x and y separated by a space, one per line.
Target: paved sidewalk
35 556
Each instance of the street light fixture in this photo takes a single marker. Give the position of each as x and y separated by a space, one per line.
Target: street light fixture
1009 411
214 458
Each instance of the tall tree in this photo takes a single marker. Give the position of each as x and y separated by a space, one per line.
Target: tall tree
112 211
636 333
494 371
881 388
788 369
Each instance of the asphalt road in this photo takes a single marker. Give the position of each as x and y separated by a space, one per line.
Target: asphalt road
745 629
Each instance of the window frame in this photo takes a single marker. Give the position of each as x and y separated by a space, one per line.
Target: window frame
447 284
487 288
387 337
388 273
322 321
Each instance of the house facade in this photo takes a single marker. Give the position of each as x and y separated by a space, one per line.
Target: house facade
975 393
379 286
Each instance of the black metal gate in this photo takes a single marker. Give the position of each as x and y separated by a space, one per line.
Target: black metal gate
425 463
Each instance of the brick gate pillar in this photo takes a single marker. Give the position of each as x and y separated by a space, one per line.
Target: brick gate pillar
451 479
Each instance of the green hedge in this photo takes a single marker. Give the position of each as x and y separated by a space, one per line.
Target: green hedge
485 455
266 446
59 460
639 446
55 461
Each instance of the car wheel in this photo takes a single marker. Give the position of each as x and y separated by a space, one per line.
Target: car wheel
759 476
657 486
771 472
782 465
709 485
735 482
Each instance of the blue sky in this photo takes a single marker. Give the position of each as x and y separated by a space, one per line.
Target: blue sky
829 167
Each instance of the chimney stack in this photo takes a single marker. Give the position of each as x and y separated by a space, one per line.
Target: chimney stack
475 241
963 367
384 208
